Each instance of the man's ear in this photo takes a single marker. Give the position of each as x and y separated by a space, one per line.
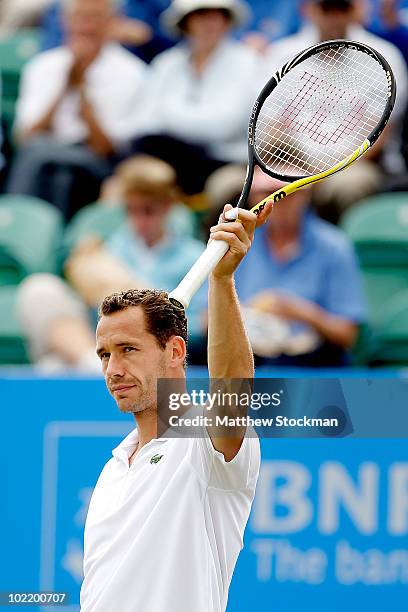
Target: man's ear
178 351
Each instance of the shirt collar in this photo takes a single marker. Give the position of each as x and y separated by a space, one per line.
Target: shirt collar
305 236
217 52
121 451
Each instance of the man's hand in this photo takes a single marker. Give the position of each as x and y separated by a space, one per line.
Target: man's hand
286 306
335 329
83 54
98 140
130 31
239 236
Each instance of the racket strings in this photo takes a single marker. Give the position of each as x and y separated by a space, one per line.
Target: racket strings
321 111
285 134
291 120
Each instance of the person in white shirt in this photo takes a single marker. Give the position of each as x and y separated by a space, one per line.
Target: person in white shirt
166 520
75 109
200 93
333 19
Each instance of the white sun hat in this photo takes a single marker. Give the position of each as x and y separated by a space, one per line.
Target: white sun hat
172 17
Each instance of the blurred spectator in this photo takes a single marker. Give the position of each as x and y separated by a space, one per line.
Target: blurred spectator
331 19
16 14
58 319
137 27
75 110
199 95
300 285
272 19
149 12
385 19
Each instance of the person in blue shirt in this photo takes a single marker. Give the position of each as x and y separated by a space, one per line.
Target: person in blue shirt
301 271
137 27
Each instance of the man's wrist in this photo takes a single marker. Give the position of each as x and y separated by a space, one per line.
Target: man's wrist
311 314
222 280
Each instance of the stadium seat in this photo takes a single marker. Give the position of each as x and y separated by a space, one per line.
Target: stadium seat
96 220
381 284
391 337
12 344
378 228
15 51
362 349
30 237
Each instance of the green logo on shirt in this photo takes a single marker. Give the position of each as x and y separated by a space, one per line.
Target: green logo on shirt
156 458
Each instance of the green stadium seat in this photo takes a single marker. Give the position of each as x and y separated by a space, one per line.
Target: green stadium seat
391 337
381 284
361 351
30 237
15 51
96 220
12 344
378 228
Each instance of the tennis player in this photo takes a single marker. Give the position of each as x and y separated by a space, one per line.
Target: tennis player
166 520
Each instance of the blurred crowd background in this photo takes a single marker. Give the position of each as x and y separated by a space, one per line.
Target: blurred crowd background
123 134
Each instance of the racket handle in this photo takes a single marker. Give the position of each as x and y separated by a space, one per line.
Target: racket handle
202 268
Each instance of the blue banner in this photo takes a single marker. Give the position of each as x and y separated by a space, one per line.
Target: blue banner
328 528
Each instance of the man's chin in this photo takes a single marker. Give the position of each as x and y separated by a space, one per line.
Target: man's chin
129 407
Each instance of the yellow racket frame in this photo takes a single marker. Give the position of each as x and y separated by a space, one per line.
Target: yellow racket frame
310 180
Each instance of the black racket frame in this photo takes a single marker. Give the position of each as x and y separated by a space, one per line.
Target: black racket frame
253 157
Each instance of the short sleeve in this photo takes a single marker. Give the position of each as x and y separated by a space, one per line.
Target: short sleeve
41 82
239 474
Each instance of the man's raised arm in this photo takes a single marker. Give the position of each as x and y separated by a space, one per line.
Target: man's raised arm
229 351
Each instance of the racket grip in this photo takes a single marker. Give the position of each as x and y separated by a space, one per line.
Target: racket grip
202 268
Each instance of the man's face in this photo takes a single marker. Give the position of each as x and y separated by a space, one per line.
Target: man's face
207 26
132 359
332 19
89 20
147 216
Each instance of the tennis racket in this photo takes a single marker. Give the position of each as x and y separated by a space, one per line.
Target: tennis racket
315 117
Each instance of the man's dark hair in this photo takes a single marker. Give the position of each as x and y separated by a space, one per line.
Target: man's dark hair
163 320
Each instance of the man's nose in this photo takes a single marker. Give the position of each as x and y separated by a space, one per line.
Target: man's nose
115 367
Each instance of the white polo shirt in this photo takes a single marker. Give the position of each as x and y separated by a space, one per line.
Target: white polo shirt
164 534
212 109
